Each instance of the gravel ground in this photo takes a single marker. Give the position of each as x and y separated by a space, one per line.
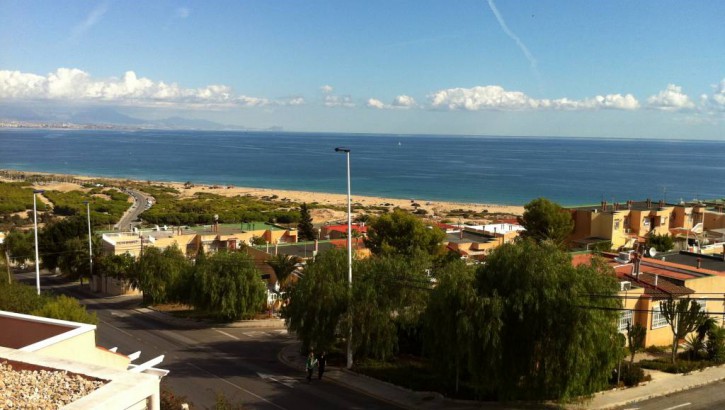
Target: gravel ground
41 389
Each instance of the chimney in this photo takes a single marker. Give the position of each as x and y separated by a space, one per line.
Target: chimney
649 203
315 245
662 203
699 263
723 252
616 206
629 204
636 265
275 248
604 206
656 278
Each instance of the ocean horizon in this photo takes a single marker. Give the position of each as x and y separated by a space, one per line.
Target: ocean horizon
474 169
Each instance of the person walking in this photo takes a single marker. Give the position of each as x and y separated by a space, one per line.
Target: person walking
321 362
310 364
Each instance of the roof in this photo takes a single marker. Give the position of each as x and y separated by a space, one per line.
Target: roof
665 287
468 237
343 228
622 206
708 263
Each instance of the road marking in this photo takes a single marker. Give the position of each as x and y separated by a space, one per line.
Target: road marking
122 331
238 387
119 314
226 334
678 406
283 380
281 331
255 334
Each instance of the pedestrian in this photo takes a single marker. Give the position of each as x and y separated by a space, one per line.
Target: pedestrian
310 364
321 362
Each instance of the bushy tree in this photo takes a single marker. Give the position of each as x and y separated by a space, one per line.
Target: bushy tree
158 273
402 233
305 229
662 243
546 221
74 261
389 292
66 308
52 240
546 337
228 285
450 320
20 245
117 266
317 308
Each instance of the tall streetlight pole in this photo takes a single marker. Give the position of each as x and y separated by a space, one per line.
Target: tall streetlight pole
90 245
35 222
349 254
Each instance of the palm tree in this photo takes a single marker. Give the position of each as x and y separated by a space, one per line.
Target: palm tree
283 266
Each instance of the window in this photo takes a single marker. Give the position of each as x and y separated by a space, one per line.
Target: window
645 221
616 224
702 303
658 319
663 220
625 317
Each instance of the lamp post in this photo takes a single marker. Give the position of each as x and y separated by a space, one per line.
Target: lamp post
90 245
35 223
349 254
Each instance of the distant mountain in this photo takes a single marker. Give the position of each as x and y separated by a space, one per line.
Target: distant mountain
190 123
103 115
8 112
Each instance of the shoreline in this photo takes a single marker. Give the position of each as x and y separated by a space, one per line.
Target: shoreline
432 207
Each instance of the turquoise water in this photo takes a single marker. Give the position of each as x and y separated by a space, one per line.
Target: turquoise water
506 170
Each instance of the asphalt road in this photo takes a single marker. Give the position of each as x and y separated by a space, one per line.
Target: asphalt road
707 397
241 364
140 201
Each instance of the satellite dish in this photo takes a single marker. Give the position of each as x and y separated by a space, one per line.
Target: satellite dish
652 252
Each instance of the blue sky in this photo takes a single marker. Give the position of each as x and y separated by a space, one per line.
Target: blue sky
653 69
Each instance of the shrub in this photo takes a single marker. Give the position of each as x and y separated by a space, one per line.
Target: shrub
632 374
65 308
682 366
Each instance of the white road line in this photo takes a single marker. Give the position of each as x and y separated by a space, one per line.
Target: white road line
238 387
122 331
255 334
227 334
678 406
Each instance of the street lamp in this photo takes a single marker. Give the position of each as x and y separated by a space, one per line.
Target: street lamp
90 246
349 253
35 222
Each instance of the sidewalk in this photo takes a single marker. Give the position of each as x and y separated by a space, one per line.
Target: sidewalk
662 384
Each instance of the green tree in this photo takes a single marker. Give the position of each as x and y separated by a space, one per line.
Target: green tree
52 239
74 261
635 339
117 266
228 285
158 272
20 245
402 233
450 320
684 317
546 221
283 266
388 292
547 338
305 229
317 307
662 243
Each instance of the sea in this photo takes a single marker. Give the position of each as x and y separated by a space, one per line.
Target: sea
473 169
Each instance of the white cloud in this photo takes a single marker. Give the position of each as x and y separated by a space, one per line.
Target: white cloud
404 101
494 97
338 101
72 84
91 20
716 101
327 89
670 99
375 103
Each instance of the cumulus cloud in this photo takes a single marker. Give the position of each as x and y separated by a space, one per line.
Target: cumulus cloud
327 89
716 101
671 99
72 84
494 97
403 101
344 101
375 103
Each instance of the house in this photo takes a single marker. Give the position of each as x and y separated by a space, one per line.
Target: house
645 282
477 241
35 343
627 224
340 231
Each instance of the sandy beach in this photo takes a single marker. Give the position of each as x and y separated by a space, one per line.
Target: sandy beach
441 209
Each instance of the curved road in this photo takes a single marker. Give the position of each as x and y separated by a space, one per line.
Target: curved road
140 203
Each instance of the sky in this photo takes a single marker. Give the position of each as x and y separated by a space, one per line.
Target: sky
611 69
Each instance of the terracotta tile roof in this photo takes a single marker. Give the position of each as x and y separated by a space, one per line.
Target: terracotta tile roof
665 288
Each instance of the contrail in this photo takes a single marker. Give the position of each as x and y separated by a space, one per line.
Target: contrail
514 37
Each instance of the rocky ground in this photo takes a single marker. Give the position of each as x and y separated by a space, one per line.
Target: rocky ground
41 389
